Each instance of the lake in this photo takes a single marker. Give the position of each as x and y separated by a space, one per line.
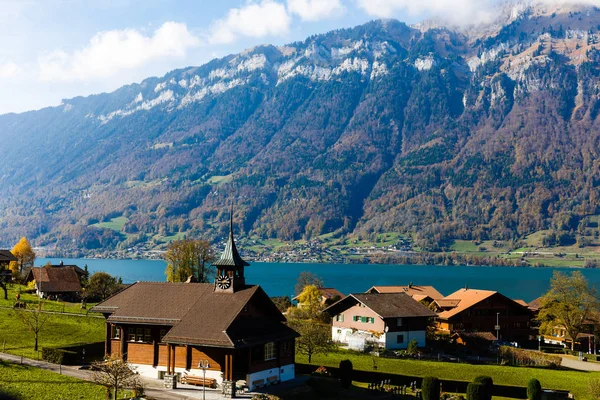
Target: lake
278 279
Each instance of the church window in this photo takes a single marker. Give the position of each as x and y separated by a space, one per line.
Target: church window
270 351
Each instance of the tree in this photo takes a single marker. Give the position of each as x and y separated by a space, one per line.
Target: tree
115 374
5 277
346 370
534 390
102 285
475 391
315 337
307 278
24 254
488 386
187 258
430 388
34 320
413 347
570 302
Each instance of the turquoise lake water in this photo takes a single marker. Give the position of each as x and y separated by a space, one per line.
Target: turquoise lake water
278 279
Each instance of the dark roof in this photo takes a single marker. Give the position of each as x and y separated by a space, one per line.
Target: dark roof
56 280
386 305
197 314
230 256
6 256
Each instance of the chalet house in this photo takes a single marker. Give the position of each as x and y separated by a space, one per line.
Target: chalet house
423 294
328 296
390 320
55 281
474 310
168 330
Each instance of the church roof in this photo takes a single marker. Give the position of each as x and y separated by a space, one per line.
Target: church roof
230 256
198 314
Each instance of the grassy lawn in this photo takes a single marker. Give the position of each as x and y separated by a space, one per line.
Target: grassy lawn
60 330
49 305
29 383
219 179
116 224
574 381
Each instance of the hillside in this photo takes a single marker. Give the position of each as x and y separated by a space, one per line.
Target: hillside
438 133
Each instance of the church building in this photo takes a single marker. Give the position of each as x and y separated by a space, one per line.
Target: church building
170 330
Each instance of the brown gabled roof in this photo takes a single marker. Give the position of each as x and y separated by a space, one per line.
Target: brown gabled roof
56 280
466 298
535 304
489 336
386 305
197 314
6 256
447 303
412 290
521 302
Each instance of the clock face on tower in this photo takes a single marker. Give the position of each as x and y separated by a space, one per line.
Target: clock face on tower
223 281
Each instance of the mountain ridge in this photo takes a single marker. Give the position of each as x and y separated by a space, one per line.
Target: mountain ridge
376 128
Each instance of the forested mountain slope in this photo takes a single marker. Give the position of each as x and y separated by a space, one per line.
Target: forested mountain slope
441 133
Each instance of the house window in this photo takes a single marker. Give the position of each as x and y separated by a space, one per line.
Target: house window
116 332
399 321
163 332
147 335
139 334
270 351
372 320
339 318
400 339
131 334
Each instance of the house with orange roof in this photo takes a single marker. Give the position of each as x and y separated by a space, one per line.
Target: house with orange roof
475 310
425 294
328 296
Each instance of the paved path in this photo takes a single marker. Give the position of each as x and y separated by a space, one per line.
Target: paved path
153 387
574 363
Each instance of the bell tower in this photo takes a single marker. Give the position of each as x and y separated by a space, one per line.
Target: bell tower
230 267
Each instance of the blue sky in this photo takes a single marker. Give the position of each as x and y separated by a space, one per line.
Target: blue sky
56 49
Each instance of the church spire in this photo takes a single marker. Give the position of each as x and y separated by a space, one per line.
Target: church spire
230 256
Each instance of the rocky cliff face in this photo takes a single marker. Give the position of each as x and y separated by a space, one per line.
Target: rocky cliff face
442 132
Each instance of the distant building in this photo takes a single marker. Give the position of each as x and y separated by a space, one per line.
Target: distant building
328 296
167 330
390 320
63 281
425 294
474 310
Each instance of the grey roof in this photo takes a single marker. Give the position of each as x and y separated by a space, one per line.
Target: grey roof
230 256
386 305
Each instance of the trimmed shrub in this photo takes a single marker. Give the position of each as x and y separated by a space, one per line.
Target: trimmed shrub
475 391
413 347
488 386
534 390
346 369
430 388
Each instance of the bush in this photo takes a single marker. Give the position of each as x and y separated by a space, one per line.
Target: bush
488 386
413 347
430 388
475 391
54 355
534 390
513 356
346 373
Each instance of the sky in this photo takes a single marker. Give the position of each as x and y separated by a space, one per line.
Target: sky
58 49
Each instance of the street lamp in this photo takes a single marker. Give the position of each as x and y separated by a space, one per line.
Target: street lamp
204 364
539 342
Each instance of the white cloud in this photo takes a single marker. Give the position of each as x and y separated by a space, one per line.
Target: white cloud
9 70
109 52
456 11
314 10
254 20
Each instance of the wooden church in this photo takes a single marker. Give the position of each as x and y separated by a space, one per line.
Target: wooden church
169 330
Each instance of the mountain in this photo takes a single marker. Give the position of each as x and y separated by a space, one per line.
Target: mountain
438 132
